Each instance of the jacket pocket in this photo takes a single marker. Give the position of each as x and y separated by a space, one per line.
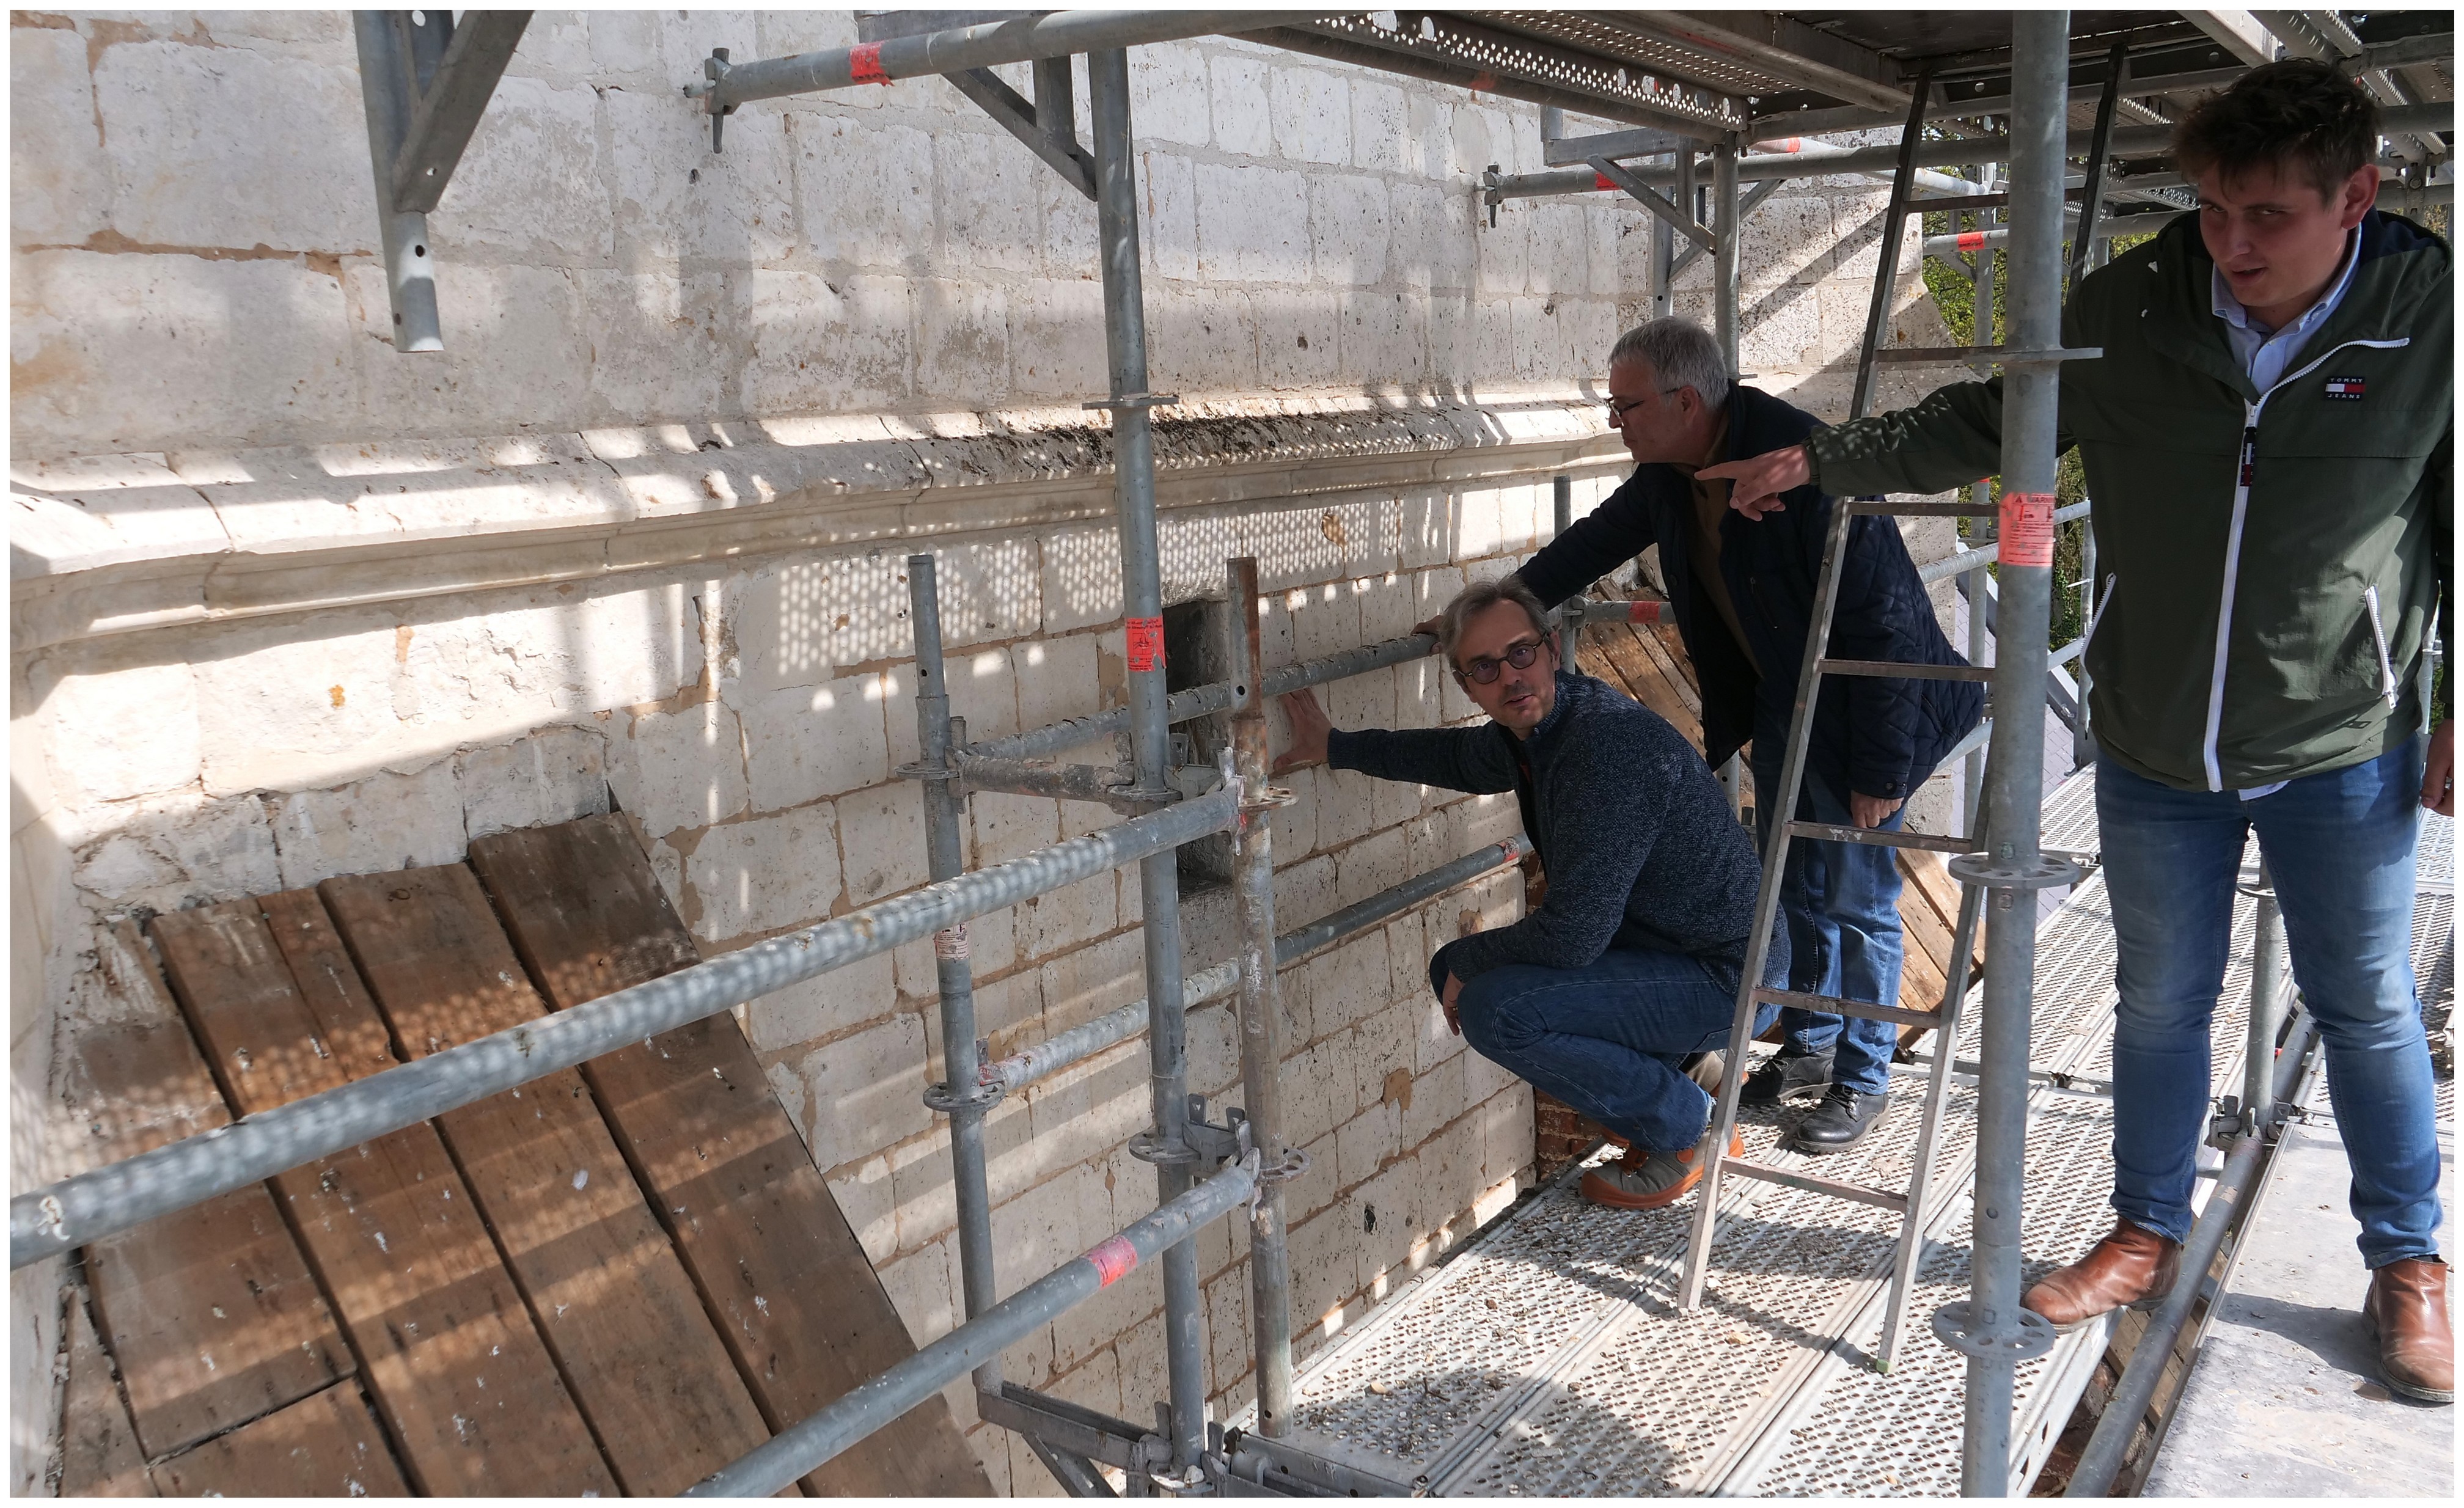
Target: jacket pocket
2378 636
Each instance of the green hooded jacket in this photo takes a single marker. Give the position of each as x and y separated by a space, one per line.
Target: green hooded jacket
2268 563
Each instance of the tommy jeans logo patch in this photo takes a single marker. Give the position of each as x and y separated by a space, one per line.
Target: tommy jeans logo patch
2351 387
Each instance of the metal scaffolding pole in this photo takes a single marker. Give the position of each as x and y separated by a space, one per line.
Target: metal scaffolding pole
1991 1328
963 1096
1723 255
1262 1057
1125 343
1973 780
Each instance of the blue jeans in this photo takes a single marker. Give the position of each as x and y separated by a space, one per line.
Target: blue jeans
1842 905
2340 850
1607 1038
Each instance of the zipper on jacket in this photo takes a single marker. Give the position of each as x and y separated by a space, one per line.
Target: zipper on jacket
2103 600
2246 465
2378 631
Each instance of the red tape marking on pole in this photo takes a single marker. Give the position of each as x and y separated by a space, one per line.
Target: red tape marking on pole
864 64
1972 240
1114 1258
1601 181
2028 529
1146 643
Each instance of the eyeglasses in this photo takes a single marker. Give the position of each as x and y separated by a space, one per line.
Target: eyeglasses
1618 407
1520 654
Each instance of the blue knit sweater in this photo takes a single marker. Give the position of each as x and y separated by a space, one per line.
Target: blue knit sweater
1636 833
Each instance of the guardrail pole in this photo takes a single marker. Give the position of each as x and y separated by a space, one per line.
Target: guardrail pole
1570 634
963 1095
1262 1056
1125 343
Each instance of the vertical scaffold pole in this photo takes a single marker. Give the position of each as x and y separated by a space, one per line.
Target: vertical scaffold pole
410 273
1973 780
2266 1002
1569 634
1996 1330
965 1096
1723 248
1124 342
1261 1051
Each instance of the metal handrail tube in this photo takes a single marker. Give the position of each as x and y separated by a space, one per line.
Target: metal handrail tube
129 1192
1112 1028
2101 1460
878 1400
1056 34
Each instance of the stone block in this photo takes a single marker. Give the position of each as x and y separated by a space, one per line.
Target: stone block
1203 339
1555 261
1298 334
1102 976
304 184
1365 1144
529 187
822 345
1501 260
1379 139
1371 864
858 1094
1782 328
1168 98
680 769
123 732
794 623
1061 919
1311 113
826 1006
1246 232
1238 105
59 180
1168 227
1304 892
1432 1101
1056 340
765 874
518 355
989 591
1056 680
869 184
990 191
1326 1265
881 836
659 342
803 743
961 342
923 1287
871 1209
1082 577
172 851
386 822
1382 339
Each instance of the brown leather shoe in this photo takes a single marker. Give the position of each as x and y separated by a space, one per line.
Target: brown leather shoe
2407 1313
2130 1266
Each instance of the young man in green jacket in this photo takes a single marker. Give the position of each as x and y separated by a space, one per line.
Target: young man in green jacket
2269 438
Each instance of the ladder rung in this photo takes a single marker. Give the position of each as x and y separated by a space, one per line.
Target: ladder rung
1898 670
1880 838
1891 509
1833 1187
1834 1005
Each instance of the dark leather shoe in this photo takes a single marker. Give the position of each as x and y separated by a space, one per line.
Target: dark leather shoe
1844 1119
2130 1266
2407 1313
1789 1076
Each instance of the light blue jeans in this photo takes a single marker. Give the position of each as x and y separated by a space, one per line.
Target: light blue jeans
1841 903
2339 850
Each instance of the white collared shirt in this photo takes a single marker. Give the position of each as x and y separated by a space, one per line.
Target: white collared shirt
2264 354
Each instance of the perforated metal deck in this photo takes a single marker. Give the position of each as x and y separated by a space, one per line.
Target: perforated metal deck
1547 1357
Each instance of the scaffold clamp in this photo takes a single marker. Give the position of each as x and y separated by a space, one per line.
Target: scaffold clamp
2034 1336
1995 872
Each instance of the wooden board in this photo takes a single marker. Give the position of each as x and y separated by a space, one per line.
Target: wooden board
324 1446
99 1453
626 1323
801 1308
1616 655
209 1311
451 1356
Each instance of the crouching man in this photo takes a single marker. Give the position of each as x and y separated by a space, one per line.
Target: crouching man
1632 963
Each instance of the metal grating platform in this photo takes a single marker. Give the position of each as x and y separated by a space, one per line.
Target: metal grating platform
1548 1357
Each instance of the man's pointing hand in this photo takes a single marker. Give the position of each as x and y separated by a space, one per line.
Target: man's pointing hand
1758 482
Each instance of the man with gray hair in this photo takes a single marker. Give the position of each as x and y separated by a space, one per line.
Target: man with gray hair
1631 965
1742 592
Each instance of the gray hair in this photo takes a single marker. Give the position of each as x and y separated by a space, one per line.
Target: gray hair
1681 354
1479 597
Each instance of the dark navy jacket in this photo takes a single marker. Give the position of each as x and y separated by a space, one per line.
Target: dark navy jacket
1881 737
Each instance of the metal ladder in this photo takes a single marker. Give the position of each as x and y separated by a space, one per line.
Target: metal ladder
1944 1018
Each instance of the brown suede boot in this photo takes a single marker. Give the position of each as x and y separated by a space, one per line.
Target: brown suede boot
2130 1266
2407 1313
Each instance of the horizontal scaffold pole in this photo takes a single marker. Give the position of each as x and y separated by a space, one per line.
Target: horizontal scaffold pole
127 1194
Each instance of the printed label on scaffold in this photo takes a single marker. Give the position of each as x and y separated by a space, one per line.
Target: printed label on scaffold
1146 643
2028 529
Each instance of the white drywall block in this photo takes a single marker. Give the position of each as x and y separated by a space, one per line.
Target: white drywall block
872 1207
59 180
881 836
679 769
990 205
767 873
122 732
1237 101
386 822
556 775
1248 227
961 342
868 186
1168 93
1056 340
827 345
803 743
923 1287
304 184
861 1092
1168 228
528 187
826 1006
1311 113
1349 229
168 852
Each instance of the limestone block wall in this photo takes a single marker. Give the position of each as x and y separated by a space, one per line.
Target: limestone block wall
286 603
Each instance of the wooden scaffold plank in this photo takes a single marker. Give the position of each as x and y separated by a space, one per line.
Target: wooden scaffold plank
324 1446
637 1347
801 1306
